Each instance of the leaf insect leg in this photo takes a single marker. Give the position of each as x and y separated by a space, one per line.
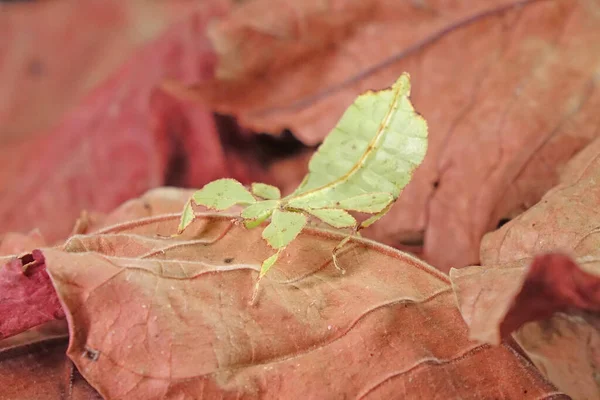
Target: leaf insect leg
339 247
356 232
266 265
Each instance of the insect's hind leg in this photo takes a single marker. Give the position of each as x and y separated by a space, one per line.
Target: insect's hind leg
356 232
339 247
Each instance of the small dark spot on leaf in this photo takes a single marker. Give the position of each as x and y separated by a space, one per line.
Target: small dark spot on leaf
228 260
502 221
91 354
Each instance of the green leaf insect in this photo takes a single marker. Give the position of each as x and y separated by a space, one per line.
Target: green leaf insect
362 165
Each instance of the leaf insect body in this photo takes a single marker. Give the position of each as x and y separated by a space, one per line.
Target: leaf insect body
362 165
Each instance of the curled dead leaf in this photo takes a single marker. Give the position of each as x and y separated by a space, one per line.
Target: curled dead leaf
497 301
27 297
552 307
562 296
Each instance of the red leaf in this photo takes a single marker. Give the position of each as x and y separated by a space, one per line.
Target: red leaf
496 301
554 282
27 296
117 142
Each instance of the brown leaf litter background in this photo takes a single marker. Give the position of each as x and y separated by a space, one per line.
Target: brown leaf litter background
94 115
161 317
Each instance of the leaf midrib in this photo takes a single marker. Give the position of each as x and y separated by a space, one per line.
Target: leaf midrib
370 149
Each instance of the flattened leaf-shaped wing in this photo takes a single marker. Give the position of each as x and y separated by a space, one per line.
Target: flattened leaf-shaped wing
374 148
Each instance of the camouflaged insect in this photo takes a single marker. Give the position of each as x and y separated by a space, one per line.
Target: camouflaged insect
363 165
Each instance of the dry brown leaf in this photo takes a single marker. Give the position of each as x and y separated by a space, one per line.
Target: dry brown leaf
569 354
565 220
496 301
56 329
41 372
152 317
561 299
508 89
499 297
163 200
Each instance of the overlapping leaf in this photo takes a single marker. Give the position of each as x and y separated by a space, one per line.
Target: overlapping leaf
499 297
27 297
509 93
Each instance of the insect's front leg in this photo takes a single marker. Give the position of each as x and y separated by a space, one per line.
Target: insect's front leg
266 265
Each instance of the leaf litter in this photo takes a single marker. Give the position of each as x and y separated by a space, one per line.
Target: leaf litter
169 317
153 316
561 61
